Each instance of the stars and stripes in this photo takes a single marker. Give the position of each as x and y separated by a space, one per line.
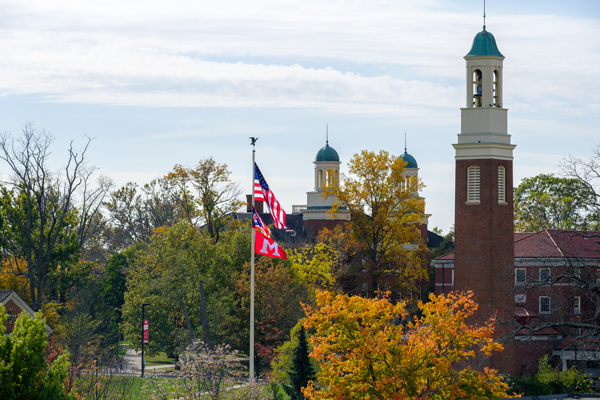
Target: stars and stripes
266 195
259 224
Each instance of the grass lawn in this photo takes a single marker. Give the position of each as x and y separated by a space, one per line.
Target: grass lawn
159 359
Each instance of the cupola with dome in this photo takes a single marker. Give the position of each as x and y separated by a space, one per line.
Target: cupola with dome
327 153
410 160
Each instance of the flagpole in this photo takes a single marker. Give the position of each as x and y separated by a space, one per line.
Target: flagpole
251 368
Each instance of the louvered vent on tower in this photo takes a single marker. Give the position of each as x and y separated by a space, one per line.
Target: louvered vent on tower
473 184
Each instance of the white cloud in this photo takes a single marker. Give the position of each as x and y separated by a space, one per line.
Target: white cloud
163 54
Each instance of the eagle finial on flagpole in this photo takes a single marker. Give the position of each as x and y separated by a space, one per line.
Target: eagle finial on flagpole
253 140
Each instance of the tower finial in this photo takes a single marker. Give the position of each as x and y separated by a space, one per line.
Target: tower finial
327 135
484 15
405 141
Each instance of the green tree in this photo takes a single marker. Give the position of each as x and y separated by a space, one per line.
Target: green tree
385 212
546 201
135 213
216 195
24 372
167 273
48 216
302 371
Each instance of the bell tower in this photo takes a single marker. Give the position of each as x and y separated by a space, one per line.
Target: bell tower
484 242
317 213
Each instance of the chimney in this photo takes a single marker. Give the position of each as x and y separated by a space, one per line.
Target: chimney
257 203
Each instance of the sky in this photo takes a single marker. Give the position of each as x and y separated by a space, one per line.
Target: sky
159 83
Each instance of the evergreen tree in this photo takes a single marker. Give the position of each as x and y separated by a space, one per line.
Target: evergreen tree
302 370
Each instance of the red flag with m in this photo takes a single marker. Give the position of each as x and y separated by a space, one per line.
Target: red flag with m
267 247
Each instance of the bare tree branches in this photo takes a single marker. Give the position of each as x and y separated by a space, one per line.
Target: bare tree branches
45 209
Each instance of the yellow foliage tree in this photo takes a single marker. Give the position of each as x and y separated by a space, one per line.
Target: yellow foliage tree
316 265
13 276
385 211
365 351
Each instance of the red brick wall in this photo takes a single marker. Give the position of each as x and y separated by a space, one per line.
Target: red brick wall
484 248
314 226
10 305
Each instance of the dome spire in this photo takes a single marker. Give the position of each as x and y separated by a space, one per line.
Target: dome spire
405 141
327 135
484 15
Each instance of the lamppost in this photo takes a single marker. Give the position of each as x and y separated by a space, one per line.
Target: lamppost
143 338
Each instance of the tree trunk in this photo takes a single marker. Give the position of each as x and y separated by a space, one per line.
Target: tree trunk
203 314
187 320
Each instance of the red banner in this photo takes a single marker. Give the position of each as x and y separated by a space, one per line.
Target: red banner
267 247
145 331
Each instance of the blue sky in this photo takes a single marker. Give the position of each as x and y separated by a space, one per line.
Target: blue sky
159 83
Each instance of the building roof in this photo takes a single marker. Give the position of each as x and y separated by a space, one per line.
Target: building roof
552 243
410 160
327 153
294 223
484 44
4 295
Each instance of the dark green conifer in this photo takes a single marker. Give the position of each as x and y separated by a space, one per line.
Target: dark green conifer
302 370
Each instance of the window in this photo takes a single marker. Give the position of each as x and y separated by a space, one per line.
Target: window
473 173
544 274
544 305
520 298
520 276
420 293
501 185
398 294
577 305
477 85
495 89
11 316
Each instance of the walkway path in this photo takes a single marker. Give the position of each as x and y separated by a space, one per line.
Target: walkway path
132 362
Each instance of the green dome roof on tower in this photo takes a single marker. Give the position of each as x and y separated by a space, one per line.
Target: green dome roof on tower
410 160
484 44
327 153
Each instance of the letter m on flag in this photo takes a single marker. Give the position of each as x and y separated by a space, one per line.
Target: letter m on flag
268 247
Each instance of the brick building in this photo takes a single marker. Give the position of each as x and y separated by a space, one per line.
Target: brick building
554 293
14 305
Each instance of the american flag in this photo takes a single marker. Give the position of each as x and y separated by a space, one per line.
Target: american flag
259 225
262 192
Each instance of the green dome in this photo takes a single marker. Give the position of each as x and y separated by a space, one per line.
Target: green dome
484 44
410 160
327 154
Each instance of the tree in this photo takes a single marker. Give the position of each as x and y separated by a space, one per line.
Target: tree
24 372
302 371
278 298
167 273
550 202
385 212
368 349
48 216
135 213
212 373
216 195
588 172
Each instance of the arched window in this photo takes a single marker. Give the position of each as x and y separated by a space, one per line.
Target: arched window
501 185
477 88
320 179
496 92
473 191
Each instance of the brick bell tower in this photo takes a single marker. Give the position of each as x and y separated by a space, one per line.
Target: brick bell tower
484 244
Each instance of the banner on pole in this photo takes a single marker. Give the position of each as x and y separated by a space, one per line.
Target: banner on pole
268 247
145 331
